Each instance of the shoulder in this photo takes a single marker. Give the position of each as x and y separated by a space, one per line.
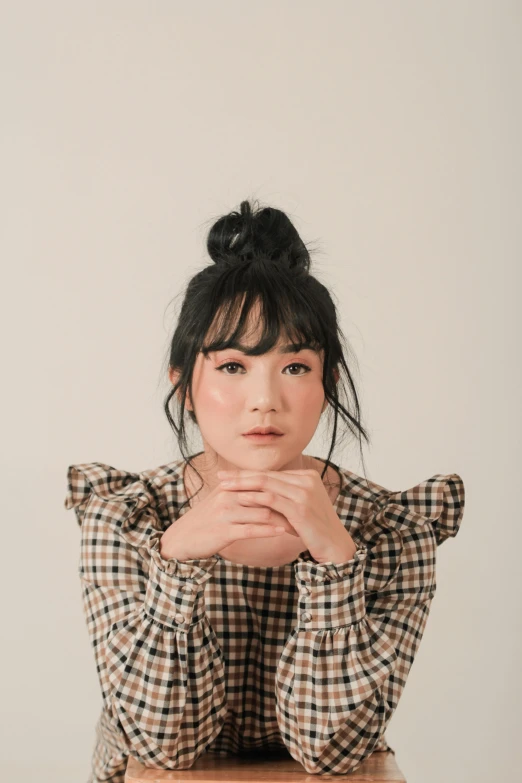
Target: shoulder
401 529
117 495
122 515
436 502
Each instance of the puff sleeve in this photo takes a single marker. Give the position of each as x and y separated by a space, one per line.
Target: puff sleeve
158 660
359 626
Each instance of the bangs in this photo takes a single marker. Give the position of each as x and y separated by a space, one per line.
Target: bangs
267 320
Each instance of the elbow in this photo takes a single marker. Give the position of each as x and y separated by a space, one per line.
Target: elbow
338 764
342 749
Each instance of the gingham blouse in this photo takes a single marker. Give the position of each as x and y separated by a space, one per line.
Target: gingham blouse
207 655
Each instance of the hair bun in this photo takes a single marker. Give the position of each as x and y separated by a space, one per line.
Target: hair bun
265 234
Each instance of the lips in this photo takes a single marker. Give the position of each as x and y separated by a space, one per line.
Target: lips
257 437
264 431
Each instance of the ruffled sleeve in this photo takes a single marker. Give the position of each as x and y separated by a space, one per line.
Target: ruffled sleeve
359 626
158 660
437 501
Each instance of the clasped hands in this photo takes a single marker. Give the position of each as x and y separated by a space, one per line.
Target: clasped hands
301 497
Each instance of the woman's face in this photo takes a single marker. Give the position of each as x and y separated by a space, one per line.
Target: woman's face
233 392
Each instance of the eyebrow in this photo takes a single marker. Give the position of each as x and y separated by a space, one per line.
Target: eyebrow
289 348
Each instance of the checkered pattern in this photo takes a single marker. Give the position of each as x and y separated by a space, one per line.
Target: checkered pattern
208 655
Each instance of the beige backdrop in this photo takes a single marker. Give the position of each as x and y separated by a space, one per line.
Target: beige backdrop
390 132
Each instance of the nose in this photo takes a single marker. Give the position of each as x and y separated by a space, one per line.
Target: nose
264 394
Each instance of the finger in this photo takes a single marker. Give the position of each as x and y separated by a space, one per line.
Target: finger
259 500
256 531
240 516
292 476
285 506
289 488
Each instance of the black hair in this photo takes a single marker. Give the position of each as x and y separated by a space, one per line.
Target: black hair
259 257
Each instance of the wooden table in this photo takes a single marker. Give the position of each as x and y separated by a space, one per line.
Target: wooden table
263 767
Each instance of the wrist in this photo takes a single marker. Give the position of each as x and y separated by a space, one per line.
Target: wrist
167 552
340 555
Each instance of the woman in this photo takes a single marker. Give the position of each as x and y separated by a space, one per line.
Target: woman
282 609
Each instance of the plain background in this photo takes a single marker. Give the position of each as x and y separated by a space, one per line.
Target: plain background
390 133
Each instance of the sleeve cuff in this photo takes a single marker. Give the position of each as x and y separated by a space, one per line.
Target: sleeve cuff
331 595
173 596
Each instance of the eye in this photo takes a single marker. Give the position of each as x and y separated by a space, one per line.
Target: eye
238 364
299 364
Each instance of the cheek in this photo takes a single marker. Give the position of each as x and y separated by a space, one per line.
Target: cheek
211 393
218 397
308 398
